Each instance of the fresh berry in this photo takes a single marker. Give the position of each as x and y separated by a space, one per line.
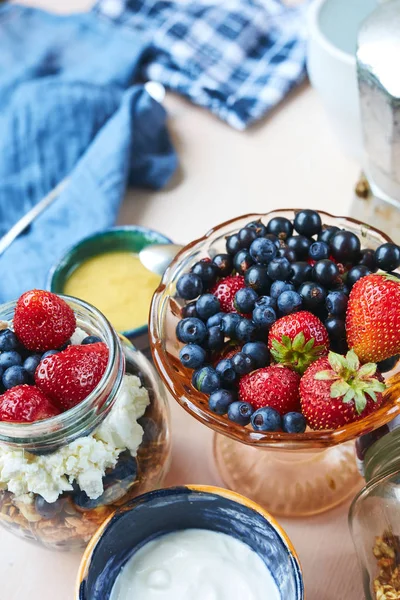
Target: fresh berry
312 294
318 251
263 315
43 321
297 340
274 238
325 272
68 377
267 301
373 318
307 222
220 400
214 339
31 362
229 323
48 510
90 339
189 286
266 419
226 371
327 232
278 287
279 268
233 244
10 359
26 403
240 412
191 331
345 247
242 363
287 253
336 303
206 380
245 300
356 273
300 245
367 258
246 330
225 291
125 471
301 272
257 278
259 227
207 271
281 227
263 250
192 356
189 310
273 386
294 422
387 257
207 306
215 319
224 264
49 353
258 352
242 261
8 341
246 236
289 302
335 391
387 365
336 328
14 376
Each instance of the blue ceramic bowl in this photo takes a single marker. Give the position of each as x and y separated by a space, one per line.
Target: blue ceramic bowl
199 507
131 238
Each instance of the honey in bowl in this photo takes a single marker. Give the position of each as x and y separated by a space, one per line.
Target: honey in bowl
117 284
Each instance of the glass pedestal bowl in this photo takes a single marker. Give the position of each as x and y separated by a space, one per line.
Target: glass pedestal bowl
289 474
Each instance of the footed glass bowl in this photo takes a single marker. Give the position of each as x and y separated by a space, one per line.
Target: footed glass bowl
289 474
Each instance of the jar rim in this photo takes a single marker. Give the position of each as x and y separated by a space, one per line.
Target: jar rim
379 479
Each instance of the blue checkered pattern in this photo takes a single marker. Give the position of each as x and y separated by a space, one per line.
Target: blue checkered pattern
238 58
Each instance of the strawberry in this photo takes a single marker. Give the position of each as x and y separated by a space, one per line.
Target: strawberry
373 317
274 386
225 290
43 321
297 340
24 404
69 376
335 391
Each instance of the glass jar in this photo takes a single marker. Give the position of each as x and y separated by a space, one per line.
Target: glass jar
70 520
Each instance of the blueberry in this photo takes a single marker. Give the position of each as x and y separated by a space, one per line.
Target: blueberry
242 261
278 287
246 236
256 277
246 330
263 250
15 376
313 295
327 232
367 258
232 244
289 302
307 222
68 343
268 301
264 316
224 264
325 272
279 268
226 371
281 227
345 247
300 245
47 510
357 273
9 359
336 328
245 300
189 310
301 272
275 240
266 419
339 345
294 422
387 257
206 380
336 303
287 253
259 353
214 339
215 319
240 412
318 251
191 330
82 500
259 227
207 271
91 339
189 286
242 363
388 364
228 324
8 340
207 306
220 400
49 353
192 356
125 470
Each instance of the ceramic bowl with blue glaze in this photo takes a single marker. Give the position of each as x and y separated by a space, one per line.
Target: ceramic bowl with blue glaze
188 507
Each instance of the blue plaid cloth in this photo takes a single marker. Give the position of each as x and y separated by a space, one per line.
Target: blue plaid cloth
238 58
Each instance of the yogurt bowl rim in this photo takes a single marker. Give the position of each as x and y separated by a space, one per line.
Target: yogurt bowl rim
317 32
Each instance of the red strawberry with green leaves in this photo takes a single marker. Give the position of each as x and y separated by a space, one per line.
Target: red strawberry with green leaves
69 376
373 317
43 321
25 404
297 340
336 390
225 290
273 386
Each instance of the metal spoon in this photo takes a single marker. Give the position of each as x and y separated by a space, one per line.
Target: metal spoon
158 257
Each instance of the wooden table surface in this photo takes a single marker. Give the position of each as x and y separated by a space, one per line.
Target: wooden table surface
291 159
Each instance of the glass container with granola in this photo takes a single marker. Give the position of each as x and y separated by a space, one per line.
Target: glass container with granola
84 422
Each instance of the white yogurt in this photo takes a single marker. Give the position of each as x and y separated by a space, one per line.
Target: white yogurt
195 564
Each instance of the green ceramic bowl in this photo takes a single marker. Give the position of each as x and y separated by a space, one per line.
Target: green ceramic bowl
131 238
